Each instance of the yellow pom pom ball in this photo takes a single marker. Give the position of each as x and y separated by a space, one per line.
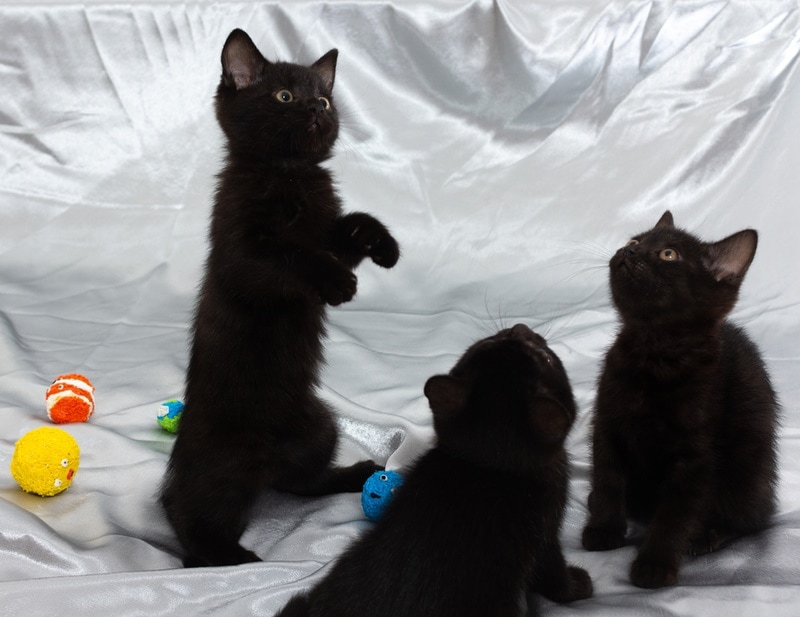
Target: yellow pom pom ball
45 461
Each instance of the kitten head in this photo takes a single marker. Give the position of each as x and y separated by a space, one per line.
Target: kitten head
507 402
667 275
276 110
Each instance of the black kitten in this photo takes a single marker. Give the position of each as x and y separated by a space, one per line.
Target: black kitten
476 522
280 251
685 417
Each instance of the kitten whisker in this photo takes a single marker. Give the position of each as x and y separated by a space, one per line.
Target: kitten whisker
593 248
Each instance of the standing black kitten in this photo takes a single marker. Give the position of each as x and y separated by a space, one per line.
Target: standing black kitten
685 417
280 251
476 522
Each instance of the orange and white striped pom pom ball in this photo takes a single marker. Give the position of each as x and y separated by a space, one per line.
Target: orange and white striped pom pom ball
70 398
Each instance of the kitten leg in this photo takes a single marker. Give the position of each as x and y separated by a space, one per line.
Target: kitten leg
306 462
745 501
676 518
606 527
226 552
334 480
360 235
557 581
605 530
212 543
750 515
208 506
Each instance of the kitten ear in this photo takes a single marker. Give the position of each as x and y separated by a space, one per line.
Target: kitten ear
446 395
730 258
549 420
326 68
666 220
242 63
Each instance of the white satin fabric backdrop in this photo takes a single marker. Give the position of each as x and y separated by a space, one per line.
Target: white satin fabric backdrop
511 146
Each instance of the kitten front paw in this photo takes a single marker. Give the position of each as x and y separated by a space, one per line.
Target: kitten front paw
231 556
364 469
651 573
337 286
351 479
601 538
580 586
371 238
385 251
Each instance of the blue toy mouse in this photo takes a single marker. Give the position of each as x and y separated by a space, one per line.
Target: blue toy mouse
378 492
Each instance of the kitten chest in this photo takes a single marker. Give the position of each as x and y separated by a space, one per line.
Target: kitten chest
302 206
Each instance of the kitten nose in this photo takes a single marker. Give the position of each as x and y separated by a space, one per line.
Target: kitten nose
521 331
524 333
629 250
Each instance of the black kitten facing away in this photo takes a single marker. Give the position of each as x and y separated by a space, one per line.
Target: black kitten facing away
280 250
685 420
476 522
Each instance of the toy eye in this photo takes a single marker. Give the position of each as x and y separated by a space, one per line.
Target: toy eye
384 477
61 386
64 462
284 96
631 242
668 255
326 104
57 482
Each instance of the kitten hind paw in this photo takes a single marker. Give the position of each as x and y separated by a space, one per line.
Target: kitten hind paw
601 538
650 573
233 557
335 480
708 541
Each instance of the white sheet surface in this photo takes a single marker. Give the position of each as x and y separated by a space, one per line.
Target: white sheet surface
511 146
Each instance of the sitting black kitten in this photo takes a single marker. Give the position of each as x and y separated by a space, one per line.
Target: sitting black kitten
281 249
685 417
476 522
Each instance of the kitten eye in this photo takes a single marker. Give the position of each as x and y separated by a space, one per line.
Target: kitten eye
631 242
284 96
326 104
668 255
